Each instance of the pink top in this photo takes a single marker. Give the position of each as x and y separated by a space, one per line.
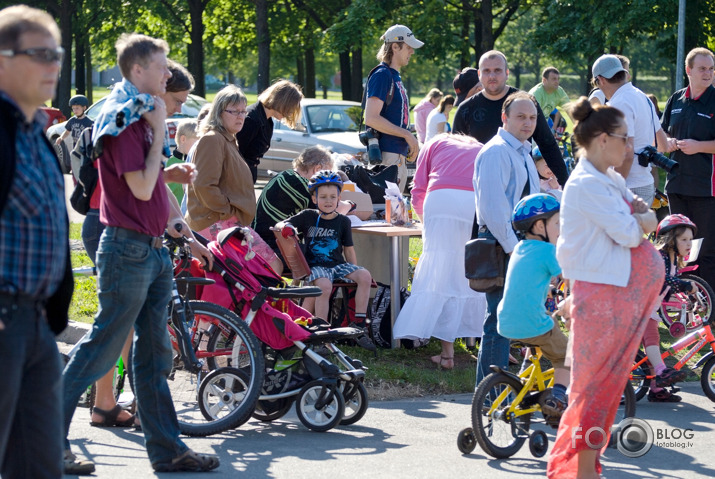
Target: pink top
422 111
445 163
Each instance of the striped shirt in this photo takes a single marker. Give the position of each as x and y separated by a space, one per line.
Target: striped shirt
284 196
33 224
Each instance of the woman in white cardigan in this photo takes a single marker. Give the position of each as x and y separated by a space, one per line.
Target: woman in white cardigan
615 275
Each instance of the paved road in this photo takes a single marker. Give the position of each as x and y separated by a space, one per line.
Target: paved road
396 439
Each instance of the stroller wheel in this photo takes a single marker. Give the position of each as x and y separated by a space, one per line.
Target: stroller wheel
320 406
276 411
355 396
221 393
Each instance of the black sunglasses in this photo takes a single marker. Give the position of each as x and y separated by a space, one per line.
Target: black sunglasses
40 55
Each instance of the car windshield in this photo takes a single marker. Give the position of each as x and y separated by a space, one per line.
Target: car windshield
325 118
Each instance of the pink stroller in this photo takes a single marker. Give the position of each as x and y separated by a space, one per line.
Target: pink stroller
302 362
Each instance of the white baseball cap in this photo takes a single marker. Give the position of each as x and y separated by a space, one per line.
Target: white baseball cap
400 33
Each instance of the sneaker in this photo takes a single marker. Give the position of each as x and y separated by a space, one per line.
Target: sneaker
553 403
663 396
669 376
364 340
75 467
189 461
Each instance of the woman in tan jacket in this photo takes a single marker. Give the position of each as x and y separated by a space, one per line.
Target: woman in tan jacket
222 194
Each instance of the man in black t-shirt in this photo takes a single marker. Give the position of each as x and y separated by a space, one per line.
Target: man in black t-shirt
480 115
688 119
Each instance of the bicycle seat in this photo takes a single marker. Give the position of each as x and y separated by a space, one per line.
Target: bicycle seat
291 292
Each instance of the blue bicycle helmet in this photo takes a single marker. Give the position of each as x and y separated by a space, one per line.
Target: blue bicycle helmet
79 100
532 208
324 177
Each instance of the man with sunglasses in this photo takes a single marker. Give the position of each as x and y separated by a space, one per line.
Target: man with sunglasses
387 108
35 273
642 120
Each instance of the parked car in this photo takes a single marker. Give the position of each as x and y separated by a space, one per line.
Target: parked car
54 116
330 123
190 109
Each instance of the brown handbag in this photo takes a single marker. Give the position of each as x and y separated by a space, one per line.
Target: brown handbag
484 264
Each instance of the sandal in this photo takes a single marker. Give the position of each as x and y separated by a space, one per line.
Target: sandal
110 418
438 360
663 396
189 461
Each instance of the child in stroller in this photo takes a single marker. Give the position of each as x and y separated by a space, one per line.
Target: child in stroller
329 248
303 364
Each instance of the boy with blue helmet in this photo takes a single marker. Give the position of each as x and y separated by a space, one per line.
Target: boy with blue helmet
329 248
521 313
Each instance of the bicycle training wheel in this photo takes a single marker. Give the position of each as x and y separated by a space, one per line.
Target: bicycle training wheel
699 305
184 384
639 377
498 434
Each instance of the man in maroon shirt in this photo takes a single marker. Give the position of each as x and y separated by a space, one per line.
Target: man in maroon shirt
135 272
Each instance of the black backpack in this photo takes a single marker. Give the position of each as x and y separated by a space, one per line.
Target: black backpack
87 176
380 314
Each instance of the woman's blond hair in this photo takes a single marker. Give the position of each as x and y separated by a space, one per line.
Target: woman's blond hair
284 97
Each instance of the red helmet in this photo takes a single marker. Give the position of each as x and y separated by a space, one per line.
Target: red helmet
673 221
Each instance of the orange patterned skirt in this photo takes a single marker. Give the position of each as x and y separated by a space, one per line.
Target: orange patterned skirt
607 324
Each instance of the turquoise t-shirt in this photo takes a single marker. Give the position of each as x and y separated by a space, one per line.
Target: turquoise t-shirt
521 312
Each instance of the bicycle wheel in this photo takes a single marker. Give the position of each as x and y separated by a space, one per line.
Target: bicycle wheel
707 378
627 406
639 380
699 305
185 385
499 435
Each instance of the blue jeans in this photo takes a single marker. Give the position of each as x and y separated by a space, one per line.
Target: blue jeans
30 408
134 290
91 232
493 348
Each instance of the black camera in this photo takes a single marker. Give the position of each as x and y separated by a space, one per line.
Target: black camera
650 155
370 138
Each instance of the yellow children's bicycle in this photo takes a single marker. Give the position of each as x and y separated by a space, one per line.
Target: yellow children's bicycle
504 405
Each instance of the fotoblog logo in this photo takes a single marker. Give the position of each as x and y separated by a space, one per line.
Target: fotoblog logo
633 437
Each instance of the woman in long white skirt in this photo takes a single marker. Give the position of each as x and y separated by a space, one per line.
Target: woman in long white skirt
441 304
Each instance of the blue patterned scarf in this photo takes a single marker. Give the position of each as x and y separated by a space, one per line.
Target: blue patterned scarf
123 106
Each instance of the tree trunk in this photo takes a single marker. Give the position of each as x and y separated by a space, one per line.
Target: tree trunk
478 35
345 76
79 79
88 70
464 56
487 40
300 68
356 75
195 49
309 86
264 45
65 84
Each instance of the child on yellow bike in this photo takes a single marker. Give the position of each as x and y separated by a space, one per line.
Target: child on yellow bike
521 314
674 239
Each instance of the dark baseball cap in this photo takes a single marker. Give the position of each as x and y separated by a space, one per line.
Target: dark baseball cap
463 82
